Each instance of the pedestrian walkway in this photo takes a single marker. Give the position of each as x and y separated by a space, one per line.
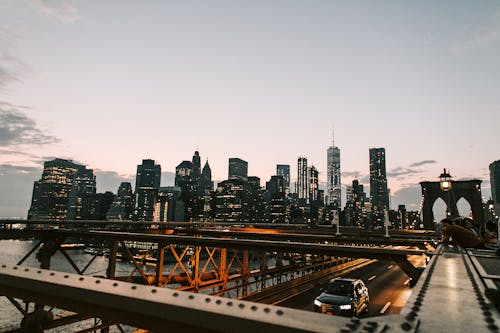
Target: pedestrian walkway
449 296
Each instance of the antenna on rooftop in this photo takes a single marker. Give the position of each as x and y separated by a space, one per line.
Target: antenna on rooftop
333 136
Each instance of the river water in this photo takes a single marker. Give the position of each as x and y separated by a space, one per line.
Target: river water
12 251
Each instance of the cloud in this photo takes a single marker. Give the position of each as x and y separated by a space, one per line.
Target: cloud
63 11
479 39
409 196
400 171
110 180
416 164
353 174
14 152
16 128
10 66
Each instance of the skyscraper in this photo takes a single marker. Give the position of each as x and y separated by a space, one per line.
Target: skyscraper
302 179
147 182
84 186
333 184
495 184
183 173
313 184
52 192
196 167
359 200
97 205
284 170
379 194
206 178
123 204
238 169
276 199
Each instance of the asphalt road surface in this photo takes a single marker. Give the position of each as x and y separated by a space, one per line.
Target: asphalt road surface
387 286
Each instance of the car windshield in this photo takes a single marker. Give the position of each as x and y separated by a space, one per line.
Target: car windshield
340 288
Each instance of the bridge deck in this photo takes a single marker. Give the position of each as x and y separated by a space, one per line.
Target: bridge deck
449 296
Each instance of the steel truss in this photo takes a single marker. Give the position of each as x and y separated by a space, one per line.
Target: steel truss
223 266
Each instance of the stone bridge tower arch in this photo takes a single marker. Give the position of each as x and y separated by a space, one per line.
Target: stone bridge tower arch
470 190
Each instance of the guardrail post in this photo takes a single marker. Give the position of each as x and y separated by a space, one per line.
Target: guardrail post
160 263
111 270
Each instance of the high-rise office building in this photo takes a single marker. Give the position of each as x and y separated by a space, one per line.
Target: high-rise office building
276 199
183 174
84 186
123 203
147 182
275 184
349 196
284 170
206 178
196 167
358 200
196 185
302 179
313 184
148 174
97 205
495 184
238 169
333 183
51 193
230 201
379 194
169 205
254 200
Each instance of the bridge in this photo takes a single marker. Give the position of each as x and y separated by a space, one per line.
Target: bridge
209 276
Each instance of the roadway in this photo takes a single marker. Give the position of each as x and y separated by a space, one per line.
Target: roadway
387 286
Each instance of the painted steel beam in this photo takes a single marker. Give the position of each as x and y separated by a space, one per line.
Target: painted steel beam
299 228
377 239
163 309
249 244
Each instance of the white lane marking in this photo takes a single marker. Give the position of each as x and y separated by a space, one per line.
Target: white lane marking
406 282
390 266
386 306
372 277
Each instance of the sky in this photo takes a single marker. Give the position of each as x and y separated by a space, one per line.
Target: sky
109 83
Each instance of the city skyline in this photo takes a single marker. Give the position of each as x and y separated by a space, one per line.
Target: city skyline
110 85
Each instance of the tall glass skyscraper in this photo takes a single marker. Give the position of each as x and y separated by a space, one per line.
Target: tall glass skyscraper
238 169
333 184
302 178
313 184
123 204
196 167
495 184
147 183
379 193
61 190
284 170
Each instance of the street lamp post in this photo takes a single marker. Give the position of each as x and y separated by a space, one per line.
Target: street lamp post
445 185
336 220
387 223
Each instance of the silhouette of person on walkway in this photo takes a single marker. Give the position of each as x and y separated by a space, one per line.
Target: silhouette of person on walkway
461 236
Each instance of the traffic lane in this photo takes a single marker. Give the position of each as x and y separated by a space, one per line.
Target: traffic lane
385 282
389 290
305 300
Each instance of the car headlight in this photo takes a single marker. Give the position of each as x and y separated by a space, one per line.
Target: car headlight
317 303
345 307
